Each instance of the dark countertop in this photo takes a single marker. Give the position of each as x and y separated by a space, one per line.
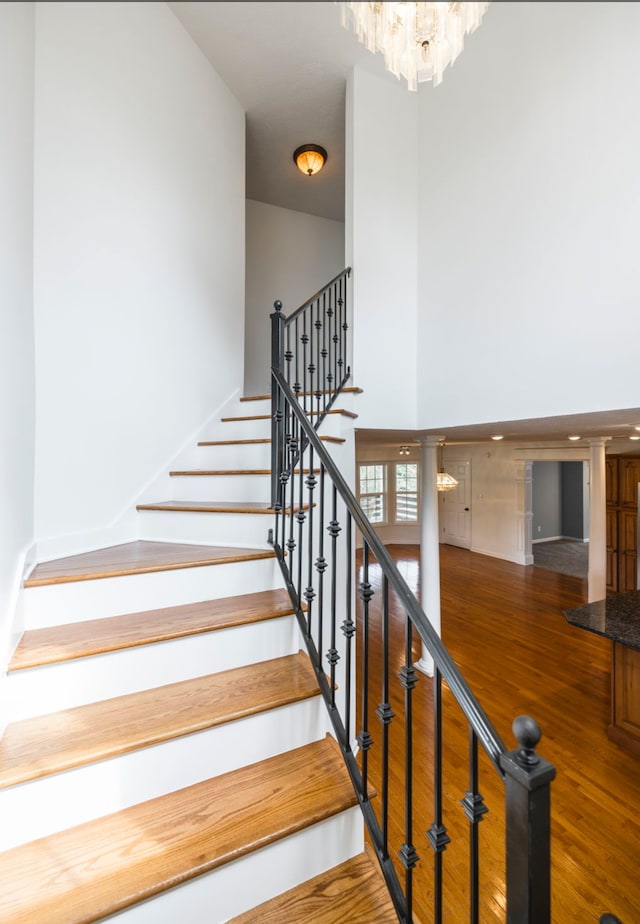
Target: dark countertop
617 618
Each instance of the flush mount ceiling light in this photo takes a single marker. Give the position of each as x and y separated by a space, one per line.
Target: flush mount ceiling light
418 40
497 436
309 158
573 438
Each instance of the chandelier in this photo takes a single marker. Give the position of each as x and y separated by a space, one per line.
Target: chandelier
418 40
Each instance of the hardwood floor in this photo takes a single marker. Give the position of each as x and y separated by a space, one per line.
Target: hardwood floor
504 626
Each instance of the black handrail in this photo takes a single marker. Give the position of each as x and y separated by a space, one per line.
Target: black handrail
320 604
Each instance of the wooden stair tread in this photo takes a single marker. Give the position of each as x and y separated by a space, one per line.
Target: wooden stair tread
333 410
325 439
235 471
353 892
95 869
37 747
139 557
349 389
113 633
260 507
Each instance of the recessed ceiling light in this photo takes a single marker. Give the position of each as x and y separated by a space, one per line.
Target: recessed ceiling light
573 437
637 428
497 436
635 437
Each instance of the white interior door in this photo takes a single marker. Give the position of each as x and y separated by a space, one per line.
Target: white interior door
455 506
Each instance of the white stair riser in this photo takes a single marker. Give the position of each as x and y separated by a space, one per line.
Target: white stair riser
221 487
57 604
64 685
233 529
255 455
45 806
234 888
259 429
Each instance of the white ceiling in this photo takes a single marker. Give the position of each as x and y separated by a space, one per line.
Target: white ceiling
287 64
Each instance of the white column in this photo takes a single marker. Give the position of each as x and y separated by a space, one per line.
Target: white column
597 521
429 544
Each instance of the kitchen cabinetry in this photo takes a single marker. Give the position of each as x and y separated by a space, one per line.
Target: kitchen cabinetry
622 478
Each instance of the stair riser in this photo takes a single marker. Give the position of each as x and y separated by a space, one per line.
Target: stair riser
64 685
65 799
57 604
215 897
233 529
255 455
258 429
221 487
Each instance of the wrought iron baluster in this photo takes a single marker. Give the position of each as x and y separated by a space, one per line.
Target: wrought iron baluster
300 516
348 629
364 738
321 564
293 447
331 325
318 327
336 338
296 358
312 367
304 340
288 355
323 352
408 853
437 833
474 809
310 593
385 714
334 530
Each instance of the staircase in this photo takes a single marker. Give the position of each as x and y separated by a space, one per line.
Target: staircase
168 756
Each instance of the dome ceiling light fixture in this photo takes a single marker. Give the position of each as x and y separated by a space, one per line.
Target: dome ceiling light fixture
310 158
418 40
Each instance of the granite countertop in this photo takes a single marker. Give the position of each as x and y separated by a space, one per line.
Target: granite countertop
617 618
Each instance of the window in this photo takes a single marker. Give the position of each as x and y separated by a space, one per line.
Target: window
372 491
388 491
406 491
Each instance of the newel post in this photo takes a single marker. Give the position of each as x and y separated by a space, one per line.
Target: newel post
528 821
277 415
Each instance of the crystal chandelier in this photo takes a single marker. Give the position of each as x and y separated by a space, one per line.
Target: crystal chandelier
418 40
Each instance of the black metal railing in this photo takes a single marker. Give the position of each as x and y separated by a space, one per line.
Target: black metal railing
316 517
309 347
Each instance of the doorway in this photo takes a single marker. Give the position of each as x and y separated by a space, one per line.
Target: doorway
455 506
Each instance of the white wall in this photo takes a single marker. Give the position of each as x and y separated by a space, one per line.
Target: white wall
530 217
382 228
139 253
289 256
17 402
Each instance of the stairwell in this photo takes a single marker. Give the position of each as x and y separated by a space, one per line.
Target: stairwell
168 755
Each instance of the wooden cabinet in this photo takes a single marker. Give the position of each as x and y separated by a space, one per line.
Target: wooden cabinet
625 697
622 479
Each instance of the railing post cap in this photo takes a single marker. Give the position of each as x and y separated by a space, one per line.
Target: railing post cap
528 733
277 305
523 764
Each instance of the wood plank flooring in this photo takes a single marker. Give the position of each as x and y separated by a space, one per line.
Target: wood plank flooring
140 557
504 626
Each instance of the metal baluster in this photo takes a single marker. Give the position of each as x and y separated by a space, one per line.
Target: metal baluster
293 444
364 738
345 323
305 340
300 515
333 529
339 328
312 368
288 355
407 852
296 384
330 316
321 565
348 630
310 593
474 809
437 833
318 327
324 348
336 338
385 714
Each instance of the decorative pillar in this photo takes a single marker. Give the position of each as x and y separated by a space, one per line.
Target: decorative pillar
429 543
597 589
